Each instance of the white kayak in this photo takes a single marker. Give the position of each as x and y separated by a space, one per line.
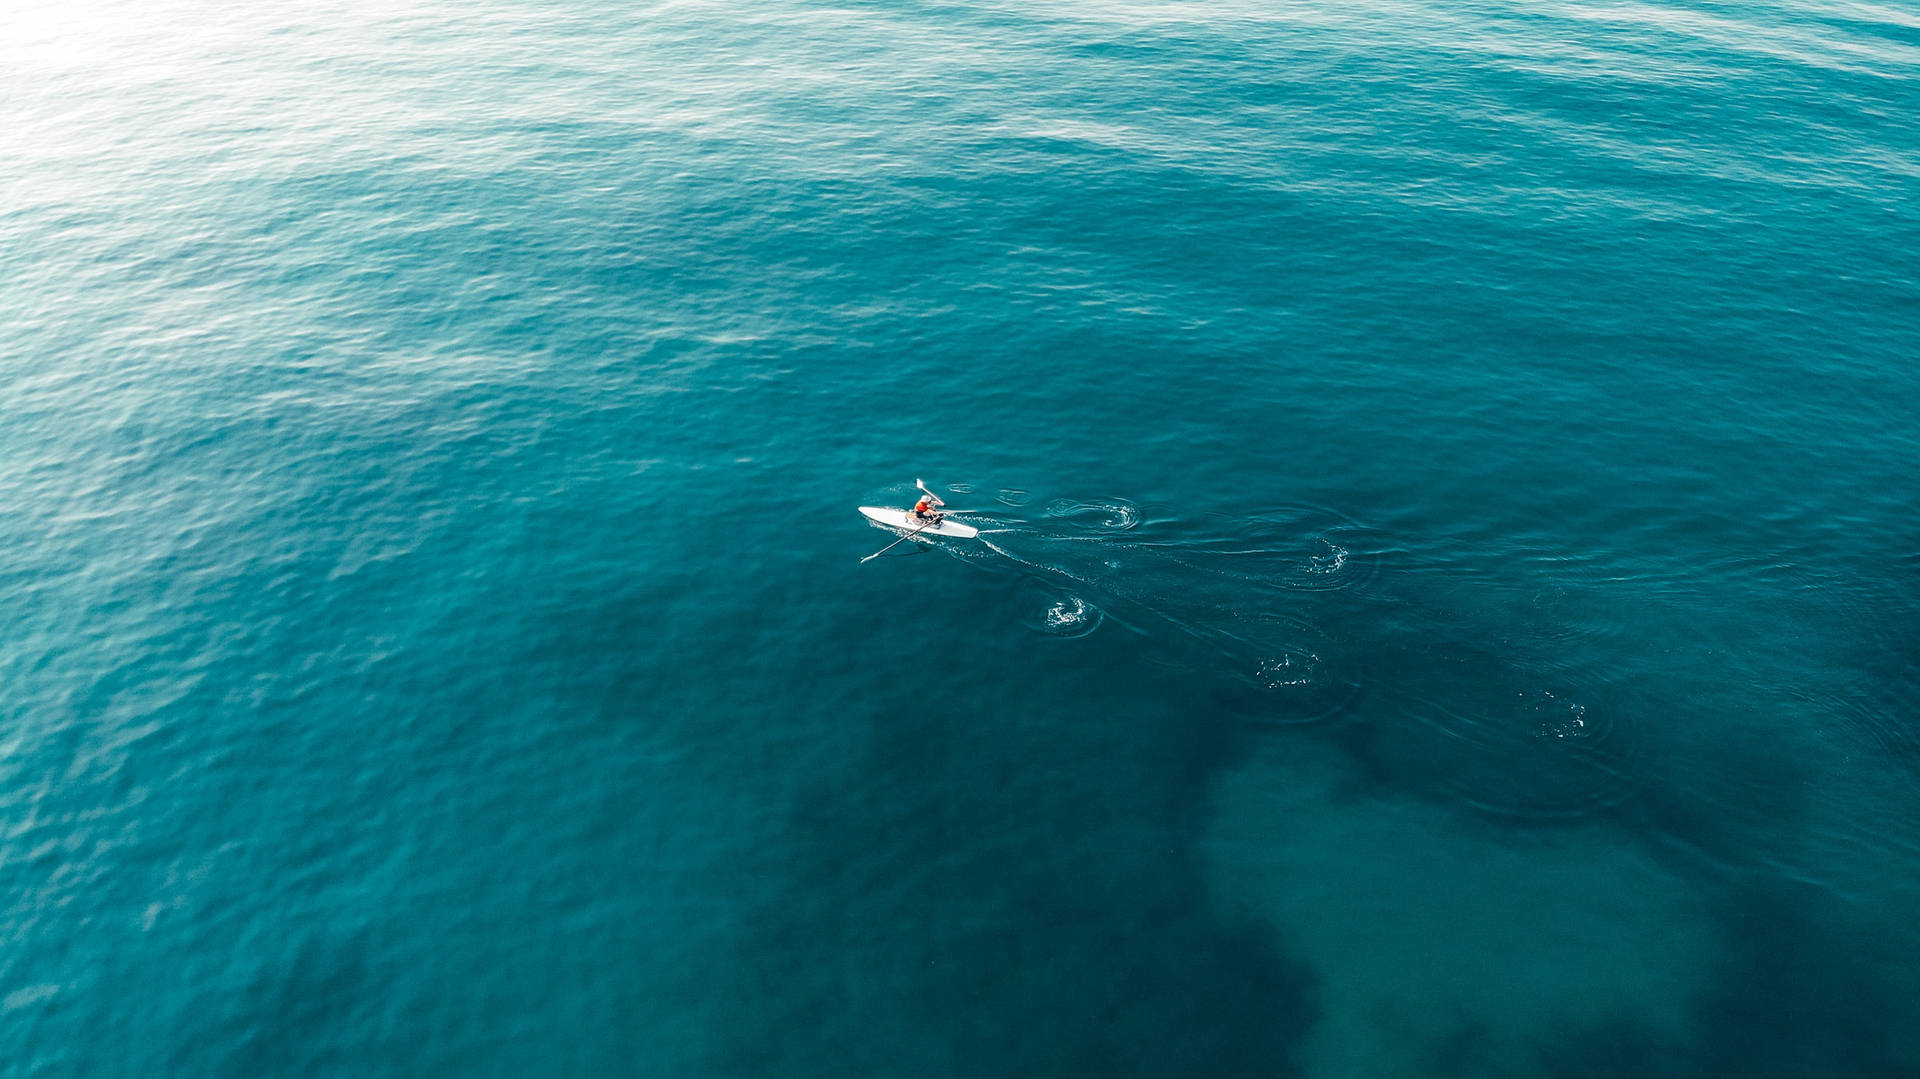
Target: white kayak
905 521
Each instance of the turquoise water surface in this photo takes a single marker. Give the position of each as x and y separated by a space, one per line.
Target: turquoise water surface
1447 601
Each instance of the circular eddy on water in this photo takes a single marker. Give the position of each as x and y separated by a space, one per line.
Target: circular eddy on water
1050 611
1107 515
1288 672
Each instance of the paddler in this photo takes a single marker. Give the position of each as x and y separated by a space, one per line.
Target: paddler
925 508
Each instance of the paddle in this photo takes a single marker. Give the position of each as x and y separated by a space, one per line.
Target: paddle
897 542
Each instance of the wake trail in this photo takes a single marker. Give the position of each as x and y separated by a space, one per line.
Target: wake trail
1238 608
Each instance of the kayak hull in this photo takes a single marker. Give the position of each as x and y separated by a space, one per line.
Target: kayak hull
905 521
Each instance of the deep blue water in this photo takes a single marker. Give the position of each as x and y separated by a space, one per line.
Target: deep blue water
1448 602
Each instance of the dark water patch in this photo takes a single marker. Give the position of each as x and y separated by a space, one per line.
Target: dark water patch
1612 1047
1472 728
1717 804
1882 714
1803 988
1006 896
1800 989
1474 707
1880 700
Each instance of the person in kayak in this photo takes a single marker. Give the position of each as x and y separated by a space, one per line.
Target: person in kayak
925 508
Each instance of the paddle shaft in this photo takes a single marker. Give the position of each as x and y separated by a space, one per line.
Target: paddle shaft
897 542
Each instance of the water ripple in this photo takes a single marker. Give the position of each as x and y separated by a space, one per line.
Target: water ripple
1532 753
1298 546
1103 515
1295 674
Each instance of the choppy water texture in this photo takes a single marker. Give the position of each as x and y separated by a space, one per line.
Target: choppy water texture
1447 602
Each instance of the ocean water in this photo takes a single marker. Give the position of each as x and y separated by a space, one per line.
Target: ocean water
1448 601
